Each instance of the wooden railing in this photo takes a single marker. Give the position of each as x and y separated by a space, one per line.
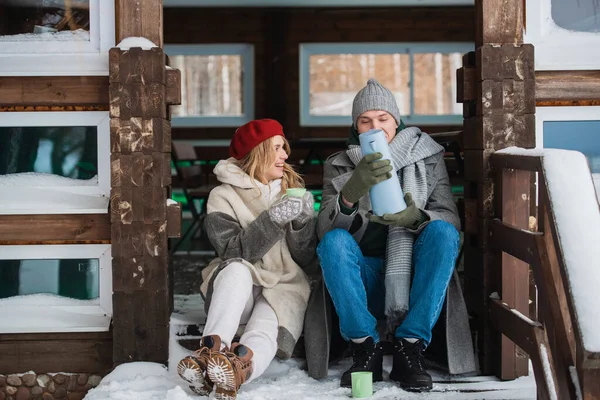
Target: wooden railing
563 368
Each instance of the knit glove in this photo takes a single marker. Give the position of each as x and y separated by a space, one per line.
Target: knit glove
368 173
307 213
285 210
411 217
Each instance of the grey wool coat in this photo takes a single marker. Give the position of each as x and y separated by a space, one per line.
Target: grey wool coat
459 357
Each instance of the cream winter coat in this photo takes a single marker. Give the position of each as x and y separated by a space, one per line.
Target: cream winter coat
239 227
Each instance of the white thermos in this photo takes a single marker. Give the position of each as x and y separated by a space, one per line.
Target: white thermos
386 196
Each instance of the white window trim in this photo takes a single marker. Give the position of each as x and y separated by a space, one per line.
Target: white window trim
101 120
566 113
75 58
246 51
102 252
574 48
308 49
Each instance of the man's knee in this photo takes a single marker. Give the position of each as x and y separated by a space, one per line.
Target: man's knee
442 231
335 239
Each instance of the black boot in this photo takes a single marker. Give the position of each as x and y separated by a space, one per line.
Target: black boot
366 356
409 366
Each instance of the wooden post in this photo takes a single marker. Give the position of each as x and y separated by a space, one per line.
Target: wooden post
497 88
140 137
140 18
140 140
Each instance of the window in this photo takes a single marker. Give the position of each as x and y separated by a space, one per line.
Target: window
572 128
217 84
421 76
56 37
55 288
568 28
54 162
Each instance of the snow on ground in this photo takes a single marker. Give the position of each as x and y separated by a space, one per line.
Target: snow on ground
286 380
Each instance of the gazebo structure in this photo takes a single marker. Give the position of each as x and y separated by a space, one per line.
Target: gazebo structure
92 221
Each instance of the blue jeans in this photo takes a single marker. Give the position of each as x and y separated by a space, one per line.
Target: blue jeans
356 283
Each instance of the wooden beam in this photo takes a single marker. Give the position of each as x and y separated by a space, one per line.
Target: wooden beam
51 352
276 59
512 161
516 326
512 206
55 228
53 91
498 22
137 18
553 86
517 242
174 220
173 87
554 308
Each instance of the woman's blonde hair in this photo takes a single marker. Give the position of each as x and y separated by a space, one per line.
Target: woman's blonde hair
261 158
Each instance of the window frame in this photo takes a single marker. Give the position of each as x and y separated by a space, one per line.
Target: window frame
549 40
246 51
99 119
64 58
102 252
308 49
562 113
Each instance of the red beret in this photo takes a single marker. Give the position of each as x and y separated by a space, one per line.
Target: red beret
251 134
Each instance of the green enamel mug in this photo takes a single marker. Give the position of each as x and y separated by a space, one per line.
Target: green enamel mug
362 384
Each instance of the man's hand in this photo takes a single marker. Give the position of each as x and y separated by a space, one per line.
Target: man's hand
368 172
411 217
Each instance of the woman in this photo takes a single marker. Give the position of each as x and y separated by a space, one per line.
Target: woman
263 239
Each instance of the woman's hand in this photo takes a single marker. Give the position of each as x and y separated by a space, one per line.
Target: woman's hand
307 213
286 209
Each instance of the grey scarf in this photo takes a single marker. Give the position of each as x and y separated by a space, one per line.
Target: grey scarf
409 148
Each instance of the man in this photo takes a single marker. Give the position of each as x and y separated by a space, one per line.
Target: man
395 267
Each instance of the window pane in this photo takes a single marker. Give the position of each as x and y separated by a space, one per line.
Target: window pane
336 78
69 151
210 85
577 15
72 278
45 20
435 83
583 136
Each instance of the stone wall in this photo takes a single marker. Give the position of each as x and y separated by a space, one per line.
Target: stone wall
31 386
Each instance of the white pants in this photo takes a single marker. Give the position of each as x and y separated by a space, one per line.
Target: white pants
235 300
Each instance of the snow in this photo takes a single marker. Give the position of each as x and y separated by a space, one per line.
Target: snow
548 373
287 380
596 178
134 41
43 179
78 35
575 380
32 313
44 300
577 214
171 202
284 379
34 192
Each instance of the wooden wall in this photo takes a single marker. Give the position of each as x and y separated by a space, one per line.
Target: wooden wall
277 33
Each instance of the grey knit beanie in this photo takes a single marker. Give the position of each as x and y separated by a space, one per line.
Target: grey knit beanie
374 97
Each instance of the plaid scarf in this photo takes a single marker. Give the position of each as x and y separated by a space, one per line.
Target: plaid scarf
409 148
